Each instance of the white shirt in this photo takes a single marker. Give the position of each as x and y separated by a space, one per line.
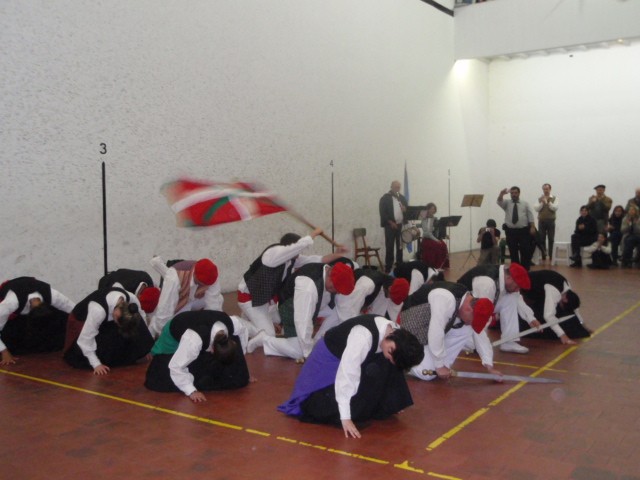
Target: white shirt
359 344
189 349
397 209
305 299
443 305
553 206
552 298
285 254
485 287
10 304
349 306
170 295
95 316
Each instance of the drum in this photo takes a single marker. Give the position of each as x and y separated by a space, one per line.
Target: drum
410 234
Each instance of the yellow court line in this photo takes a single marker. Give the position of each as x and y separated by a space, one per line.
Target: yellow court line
446 436
403 466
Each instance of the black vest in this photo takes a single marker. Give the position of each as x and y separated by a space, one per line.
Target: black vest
129 279
315 272
534 297
404 270
491 271
100 297
336 338
264 282
379 280
200 322
23 287
415 316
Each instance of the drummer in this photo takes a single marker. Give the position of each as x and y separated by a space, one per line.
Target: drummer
434 249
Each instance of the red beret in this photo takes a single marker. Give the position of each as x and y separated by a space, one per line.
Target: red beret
206 271
399 290
520 276
149 299
343 278
482 312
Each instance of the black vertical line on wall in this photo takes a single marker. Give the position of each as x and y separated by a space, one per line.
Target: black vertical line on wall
435 4
104 215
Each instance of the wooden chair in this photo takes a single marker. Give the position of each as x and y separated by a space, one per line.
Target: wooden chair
361 249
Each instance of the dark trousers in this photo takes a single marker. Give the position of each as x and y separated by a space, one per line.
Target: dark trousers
615 238
630 243
519 243
392 245
580 240
547 231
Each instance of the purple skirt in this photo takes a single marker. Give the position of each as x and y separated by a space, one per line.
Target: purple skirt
318 372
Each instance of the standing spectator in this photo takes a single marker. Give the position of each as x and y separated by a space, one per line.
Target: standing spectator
586 233
519 226
635 201
631 235
599 206
488 238
546 208
614 228
392 207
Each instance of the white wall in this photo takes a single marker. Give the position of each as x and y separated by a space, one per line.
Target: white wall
275 91
570 120
504 27
250 90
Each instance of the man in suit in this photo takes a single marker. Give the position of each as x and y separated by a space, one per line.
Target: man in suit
392 208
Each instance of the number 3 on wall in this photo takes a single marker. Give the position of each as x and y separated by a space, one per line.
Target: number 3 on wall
103 148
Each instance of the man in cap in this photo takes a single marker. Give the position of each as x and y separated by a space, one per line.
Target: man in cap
445 316
599 205
187 285
307 295
502 284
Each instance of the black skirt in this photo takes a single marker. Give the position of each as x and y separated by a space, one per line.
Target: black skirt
112 349
208 373
383 391
24 334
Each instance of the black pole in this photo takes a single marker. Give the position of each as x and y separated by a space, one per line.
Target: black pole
333 218
104 216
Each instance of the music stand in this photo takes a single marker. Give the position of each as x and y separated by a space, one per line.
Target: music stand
472 200
412 213
445 222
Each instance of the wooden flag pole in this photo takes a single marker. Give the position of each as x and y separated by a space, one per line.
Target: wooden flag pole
300 218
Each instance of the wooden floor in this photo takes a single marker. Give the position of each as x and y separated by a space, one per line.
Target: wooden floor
57 422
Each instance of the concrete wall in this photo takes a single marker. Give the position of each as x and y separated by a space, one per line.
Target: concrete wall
252 90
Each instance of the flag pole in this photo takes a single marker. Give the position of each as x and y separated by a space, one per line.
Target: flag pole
104 216
300 218
333 249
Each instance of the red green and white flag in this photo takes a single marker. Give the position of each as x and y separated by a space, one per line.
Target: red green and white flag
202 204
